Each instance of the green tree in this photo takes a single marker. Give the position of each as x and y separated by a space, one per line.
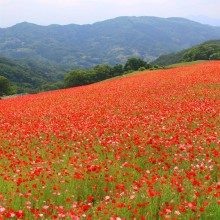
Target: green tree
75 78
118 69
52 86
4 86
134 64
203 51
90 77
215 56
103 71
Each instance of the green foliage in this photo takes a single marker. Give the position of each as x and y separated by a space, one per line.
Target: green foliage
202 51
134 64
215 56
141 68
52 86
118 70
156 67
102 71
75 78
169 59
209 50
4 86
27 76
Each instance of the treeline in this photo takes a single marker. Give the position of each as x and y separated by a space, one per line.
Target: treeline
104 71
209 50
15 79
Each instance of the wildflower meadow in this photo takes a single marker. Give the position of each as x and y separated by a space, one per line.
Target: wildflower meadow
143 146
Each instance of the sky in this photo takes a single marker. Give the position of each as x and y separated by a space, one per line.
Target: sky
45 12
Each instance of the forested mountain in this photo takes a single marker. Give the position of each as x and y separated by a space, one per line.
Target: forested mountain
111 41
209 50
26 75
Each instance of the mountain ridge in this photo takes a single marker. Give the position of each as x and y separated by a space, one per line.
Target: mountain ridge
111 41
108 20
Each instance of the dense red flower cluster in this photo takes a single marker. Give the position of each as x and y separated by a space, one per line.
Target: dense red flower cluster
143 146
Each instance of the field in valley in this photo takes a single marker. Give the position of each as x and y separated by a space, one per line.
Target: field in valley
143 146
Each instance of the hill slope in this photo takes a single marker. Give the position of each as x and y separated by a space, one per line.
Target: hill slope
209 50
29 74
144 146
111 41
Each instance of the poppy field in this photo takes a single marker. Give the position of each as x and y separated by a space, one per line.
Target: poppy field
143 146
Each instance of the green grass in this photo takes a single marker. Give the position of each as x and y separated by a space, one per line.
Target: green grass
185 64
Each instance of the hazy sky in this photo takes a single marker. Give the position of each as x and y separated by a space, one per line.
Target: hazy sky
46 12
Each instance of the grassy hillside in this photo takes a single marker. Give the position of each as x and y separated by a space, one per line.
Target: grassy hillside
111 41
